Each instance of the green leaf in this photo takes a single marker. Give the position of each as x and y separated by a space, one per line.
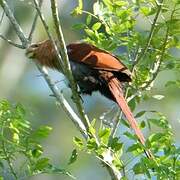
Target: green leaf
125 123
79 26
142 124
37 152
138 168
42 132
135 147
73 157
89 32
20 110
156 137
132 104
42 164
78 142
130 135
92 145
121 3
145 10
96 26
78 10
139 114
115 144
104 135
88 19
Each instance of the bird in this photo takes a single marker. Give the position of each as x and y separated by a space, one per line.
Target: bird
94 69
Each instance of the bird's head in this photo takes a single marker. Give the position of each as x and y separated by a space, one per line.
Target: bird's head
44 53
31 50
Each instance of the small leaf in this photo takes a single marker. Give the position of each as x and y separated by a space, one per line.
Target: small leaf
88 19
73 157
104 135
120 3
134 147
42 163
42 132
37 152
124 122
89 32
78 26
145 10
96 26
78 10
130 135
16 138
115 144
143 124
91 144
78 142
138 168
139 114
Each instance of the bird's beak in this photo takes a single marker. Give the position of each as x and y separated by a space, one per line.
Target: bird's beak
30 51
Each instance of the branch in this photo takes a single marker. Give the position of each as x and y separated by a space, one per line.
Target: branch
113 171
63 102
59 96
68 72
48 33
34 22
157 64
11 42
1 19
14 23
144 51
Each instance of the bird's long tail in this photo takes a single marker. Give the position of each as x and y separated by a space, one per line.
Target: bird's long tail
116 90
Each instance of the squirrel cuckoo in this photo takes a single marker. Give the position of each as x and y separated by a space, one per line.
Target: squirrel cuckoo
94 70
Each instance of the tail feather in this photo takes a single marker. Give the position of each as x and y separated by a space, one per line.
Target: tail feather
116 90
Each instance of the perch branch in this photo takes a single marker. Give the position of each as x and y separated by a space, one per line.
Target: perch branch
59 97
68 72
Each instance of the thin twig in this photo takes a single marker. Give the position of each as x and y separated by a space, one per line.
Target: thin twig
2 16
113 171
49 34
96 17
34 22
14 23
11 42
157 65
62 101
68 71
143 52
59 97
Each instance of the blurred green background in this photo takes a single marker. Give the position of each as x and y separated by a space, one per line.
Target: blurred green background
21 82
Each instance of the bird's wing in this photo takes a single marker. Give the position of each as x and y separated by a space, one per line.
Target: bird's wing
95 57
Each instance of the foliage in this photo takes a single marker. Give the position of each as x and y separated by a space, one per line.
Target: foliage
113 26
21 154
165 165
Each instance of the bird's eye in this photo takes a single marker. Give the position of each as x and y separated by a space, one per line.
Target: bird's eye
35 45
